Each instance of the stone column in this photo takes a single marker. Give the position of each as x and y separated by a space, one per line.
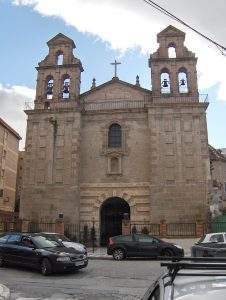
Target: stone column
125 227
59 226
25 225
163 228
199 229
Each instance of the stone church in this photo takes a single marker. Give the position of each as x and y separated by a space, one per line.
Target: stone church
117 149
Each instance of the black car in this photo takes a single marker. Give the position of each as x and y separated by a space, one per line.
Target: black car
141 245
210 245
36 251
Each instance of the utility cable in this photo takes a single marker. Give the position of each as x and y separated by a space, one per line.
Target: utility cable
172 16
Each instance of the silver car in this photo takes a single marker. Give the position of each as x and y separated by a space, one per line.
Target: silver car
193 280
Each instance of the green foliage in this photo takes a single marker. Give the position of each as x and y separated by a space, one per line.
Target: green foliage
144 230
85 234
134 229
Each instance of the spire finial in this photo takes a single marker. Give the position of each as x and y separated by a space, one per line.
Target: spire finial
93 83
137 80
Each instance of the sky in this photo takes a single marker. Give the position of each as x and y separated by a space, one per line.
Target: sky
105 30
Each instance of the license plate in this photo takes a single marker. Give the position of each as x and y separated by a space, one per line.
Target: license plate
79 263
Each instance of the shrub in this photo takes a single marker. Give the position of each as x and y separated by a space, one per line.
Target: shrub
144 230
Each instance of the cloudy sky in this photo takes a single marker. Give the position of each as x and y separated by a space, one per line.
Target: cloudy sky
104 30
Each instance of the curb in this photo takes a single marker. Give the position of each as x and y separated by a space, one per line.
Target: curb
4 292
100 258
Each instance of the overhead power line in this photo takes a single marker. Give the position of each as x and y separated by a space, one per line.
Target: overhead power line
175 18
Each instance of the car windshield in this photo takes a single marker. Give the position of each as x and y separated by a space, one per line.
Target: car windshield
43 242
56 237
202 239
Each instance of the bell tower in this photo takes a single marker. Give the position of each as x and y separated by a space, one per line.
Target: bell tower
173 68
59 75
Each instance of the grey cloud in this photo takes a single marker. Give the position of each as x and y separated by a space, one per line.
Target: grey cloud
11 111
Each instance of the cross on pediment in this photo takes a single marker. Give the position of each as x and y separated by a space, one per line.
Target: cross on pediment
116 64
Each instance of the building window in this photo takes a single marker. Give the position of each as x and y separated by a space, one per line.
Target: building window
115 136
225 187
1 193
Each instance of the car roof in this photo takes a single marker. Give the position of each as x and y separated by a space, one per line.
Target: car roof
208 234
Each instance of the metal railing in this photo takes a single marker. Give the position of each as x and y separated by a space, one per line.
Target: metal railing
41 227
145 228
181 229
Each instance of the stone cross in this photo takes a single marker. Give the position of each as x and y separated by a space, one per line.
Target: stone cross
115 64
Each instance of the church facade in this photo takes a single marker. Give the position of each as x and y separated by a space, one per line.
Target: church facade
118 149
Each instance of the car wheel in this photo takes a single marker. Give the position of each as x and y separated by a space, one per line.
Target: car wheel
46 267
1 261
118 254
167 253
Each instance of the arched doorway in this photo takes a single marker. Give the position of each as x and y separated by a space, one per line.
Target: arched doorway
111 214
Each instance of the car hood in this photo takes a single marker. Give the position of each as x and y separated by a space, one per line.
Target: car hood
76 246
69 251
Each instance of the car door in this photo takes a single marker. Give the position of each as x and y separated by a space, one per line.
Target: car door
147 245
11 247
129 243
27 253
3 246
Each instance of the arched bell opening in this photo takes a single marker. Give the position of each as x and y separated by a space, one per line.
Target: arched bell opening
172 51
59 58
66 87
182 81
165 81
49 87
112 212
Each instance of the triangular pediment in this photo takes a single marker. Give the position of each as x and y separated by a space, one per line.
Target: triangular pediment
115 89
171 31
60 39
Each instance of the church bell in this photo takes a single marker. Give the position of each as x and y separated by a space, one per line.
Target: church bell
49 89
165 83
182 82
66 88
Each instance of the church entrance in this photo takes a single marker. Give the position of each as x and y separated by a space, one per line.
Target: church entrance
113 210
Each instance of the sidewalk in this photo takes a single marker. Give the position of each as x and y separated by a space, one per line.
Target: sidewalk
101 252
4 292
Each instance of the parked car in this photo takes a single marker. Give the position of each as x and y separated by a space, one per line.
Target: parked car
194 280
141 245
64 240
211 244
36 251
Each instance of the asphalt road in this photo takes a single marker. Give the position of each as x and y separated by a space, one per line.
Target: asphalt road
102 280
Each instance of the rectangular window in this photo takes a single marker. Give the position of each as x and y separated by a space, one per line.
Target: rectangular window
1 193
225 187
